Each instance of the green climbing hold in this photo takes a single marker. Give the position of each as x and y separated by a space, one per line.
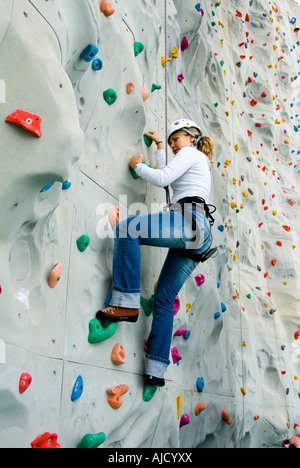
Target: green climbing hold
149 392
155 87
83 242
110 96
101 331
147 140
138 48
134 174
147 305
92 440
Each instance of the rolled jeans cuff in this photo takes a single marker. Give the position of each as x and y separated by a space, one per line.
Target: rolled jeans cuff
127 300
155 368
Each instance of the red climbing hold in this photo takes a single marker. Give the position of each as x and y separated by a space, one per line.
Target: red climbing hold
274 261
287 228
253 102
297 335
24 383
29 122
46 440
239 14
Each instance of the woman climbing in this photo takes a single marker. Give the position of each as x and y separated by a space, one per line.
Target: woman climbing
185 229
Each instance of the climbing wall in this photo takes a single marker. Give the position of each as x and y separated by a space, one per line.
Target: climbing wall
231 66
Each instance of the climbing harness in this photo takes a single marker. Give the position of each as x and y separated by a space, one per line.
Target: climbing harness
195 205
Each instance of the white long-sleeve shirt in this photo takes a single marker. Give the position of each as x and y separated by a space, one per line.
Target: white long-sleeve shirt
188 173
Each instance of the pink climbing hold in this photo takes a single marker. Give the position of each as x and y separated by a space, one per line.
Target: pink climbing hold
175 355
200 279
185 419
184 44
181 332
176 305
180 77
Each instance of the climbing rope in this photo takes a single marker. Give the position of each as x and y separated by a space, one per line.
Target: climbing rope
168 200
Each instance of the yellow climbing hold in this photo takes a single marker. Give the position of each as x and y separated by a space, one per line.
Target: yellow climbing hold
243 391
274 212
233 205
234 257
163 61
245 194
188 306
245 343
178 405
227 162
175 52
236 147
234 180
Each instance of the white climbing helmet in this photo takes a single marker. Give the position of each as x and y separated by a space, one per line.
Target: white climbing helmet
184 124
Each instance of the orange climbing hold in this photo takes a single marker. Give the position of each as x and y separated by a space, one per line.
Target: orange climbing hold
130 87
118 356
226 417
55 275
114 395
107 8
199 408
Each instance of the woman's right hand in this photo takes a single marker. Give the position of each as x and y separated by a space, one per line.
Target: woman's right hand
154 136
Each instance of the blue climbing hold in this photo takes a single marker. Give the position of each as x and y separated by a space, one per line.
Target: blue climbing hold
66 185
200 384
97 64
47 187
221 228
187 335
217 315
78 389
89 53
223 306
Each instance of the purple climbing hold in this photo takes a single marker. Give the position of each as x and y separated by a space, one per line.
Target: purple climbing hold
184 44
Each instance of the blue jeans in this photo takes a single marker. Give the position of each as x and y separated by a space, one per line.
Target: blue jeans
165 229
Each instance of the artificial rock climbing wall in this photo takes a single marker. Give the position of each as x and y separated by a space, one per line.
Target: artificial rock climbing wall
234 68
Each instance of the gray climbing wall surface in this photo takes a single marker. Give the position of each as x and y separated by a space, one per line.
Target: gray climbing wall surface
232 66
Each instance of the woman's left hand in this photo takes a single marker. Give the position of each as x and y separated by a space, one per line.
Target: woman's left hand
135 160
